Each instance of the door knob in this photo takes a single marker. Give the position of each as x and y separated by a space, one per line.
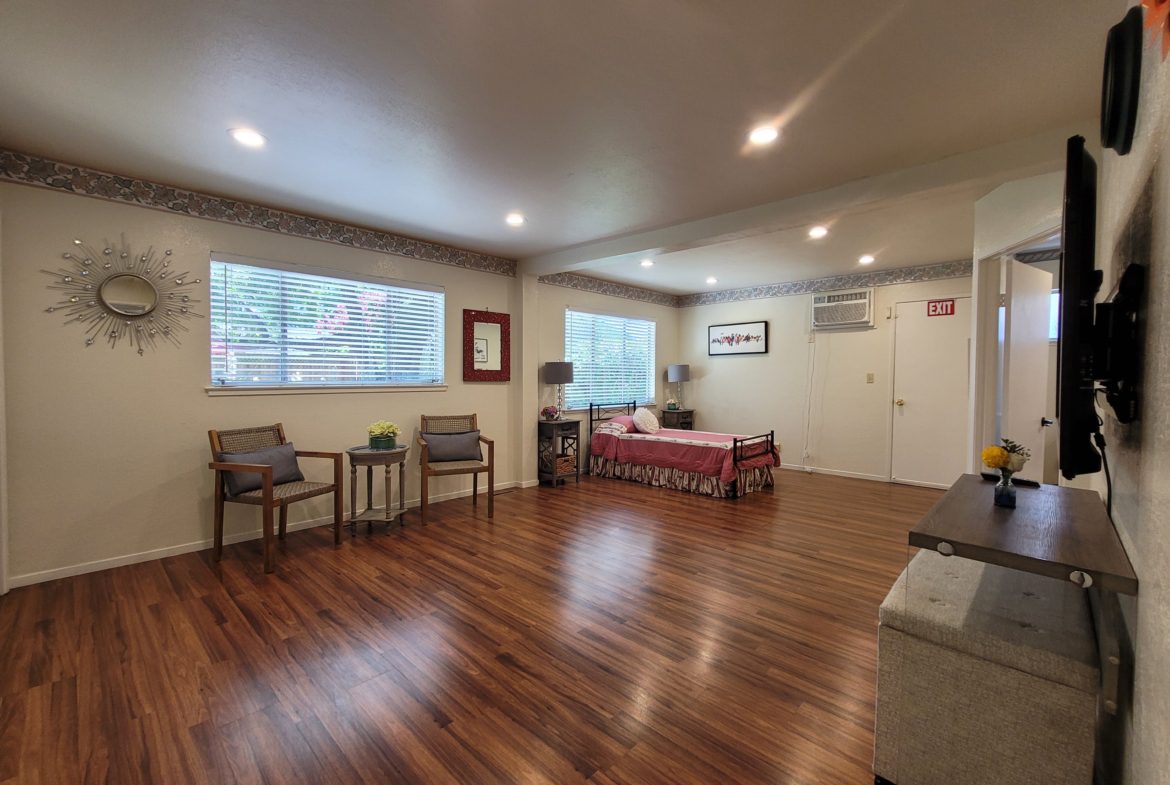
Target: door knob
900 402
1045 422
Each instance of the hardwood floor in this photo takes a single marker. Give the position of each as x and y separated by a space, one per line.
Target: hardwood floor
607 633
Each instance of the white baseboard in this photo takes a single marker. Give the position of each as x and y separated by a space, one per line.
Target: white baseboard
916 483
837 472
174 550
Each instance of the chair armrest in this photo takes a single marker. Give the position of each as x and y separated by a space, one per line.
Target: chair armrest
257 468
422 450
486 440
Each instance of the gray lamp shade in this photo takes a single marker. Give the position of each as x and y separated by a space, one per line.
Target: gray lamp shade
558 373
678 373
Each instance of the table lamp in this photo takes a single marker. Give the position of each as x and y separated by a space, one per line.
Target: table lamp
560 374
677 374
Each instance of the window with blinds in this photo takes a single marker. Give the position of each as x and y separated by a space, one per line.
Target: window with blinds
272 327
613 359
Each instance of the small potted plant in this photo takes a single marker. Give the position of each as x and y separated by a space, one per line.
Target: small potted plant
383 435
1009 459
671 404
550 413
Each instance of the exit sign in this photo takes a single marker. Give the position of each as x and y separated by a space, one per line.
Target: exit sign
940 308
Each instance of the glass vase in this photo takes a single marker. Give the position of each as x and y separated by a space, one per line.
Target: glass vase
383 442
1005 492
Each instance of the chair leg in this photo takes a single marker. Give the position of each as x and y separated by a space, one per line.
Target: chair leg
475 489
283 520
269 541
491 489
338 500
422 507
218 525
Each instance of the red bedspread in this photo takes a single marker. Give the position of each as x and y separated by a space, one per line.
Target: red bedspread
690 451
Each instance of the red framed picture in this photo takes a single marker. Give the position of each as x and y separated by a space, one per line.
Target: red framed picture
487 346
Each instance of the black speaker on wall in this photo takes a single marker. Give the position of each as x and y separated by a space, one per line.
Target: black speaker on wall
1122 82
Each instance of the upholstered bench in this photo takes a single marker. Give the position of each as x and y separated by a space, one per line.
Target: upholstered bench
985 675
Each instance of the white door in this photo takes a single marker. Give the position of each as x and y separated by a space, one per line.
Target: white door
929 434
1027 299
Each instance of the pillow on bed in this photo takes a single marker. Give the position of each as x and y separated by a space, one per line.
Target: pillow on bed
624 420
645 421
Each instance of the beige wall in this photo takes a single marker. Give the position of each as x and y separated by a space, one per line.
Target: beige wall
848 421
110 449
553 300
1133 205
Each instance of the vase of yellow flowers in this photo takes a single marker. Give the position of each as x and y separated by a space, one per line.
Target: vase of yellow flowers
383 435
1009 459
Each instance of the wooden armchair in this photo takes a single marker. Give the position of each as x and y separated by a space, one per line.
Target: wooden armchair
269 495
457 423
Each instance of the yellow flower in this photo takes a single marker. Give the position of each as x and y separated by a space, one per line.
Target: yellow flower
995 457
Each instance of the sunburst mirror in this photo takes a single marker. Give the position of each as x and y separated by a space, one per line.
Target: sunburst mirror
116 294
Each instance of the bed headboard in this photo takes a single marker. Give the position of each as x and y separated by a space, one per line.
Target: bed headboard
599 413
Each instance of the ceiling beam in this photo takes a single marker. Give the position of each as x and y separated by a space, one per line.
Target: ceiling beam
991 166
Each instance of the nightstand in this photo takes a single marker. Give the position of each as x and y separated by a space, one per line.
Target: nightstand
680 419
558 450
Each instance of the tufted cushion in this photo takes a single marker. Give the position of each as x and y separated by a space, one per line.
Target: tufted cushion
1028 622
443 447
282 459
645 421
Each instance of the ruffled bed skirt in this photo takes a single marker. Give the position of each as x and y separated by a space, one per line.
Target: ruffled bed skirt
747 480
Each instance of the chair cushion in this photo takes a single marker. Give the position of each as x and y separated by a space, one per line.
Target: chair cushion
443 447
457 467
282 459
645 421
296 488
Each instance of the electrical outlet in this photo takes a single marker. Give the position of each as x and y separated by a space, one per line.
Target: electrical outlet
869 378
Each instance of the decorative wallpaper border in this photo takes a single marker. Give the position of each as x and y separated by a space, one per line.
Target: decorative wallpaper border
929 272
1030 257
587 283
31 170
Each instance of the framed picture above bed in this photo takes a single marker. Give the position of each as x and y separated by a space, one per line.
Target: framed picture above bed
741 338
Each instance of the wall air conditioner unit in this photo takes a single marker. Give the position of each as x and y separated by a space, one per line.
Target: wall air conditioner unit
842 310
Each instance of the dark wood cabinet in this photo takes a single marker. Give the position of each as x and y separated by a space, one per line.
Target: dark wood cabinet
558 450
680 419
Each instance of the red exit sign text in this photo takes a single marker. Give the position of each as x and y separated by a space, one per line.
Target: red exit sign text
940 308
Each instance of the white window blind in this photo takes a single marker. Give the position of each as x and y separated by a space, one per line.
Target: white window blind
273 327
613 359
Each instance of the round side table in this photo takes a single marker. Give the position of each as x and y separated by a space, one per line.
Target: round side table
364 456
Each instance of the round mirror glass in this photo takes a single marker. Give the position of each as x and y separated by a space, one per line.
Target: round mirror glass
128 294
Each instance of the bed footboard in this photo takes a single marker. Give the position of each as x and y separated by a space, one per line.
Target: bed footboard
753 447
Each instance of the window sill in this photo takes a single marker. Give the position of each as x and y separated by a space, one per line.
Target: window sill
216 392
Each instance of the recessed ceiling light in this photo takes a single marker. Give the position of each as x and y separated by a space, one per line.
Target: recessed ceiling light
764 134
247 137
817 232
867 259
712 279
647 262
515 219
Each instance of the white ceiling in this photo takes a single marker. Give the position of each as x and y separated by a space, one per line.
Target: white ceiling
929 227
597 119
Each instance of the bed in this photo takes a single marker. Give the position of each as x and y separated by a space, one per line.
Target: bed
722 465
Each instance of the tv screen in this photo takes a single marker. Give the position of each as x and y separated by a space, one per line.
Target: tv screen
1079 283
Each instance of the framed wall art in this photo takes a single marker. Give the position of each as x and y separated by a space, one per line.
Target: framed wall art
741 338
487 355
